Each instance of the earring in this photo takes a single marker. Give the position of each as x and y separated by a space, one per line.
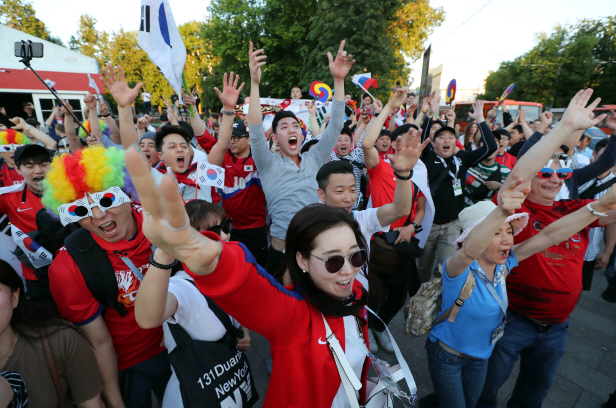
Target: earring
303 270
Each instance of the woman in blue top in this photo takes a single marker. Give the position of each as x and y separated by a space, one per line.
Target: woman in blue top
458 352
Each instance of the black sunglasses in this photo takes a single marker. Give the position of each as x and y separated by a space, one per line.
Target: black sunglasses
335 263
236 138
226 226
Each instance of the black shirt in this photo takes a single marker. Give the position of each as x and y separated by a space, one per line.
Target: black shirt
447 205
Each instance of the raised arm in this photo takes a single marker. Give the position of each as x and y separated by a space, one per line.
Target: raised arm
422 113
110 121
258 142
565 227
606 161
171 115
95 128
314 124
525 128
610 242
69 128
124 97
228 97
510 199
489 142
577 116
51 115
195 120
21 125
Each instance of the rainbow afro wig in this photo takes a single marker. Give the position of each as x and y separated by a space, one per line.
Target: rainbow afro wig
13 137
104 128
88 170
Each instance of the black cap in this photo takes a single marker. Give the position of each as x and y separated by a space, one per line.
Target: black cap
25 151
502 132
444 128
239 129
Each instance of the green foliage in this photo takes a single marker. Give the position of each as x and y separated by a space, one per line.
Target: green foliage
89 41
20 15
570 58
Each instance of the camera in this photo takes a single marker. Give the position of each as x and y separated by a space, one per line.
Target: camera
28 49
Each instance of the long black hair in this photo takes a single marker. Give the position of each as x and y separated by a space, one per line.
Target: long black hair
301 237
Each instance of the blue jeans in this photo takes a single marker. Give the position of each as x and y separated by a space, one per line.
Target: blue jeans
457 381
139 381
541 354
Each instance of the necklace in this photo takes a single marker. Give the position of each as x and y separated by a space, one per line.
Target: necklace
12 350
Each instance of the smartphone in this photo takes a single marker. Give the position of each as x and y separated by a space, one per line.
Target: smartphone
28 49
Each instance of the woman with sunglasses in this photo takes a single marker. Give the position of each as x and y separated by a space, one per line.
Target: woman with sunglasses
170 296
324 252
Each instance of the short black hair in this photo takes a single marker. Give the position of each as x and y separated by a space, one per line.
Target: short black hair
333 167
37 156
167 130
366 95
347 131
33 122
306 146
584 136
600 145
281 115
518 128
164 117
296 86
384 132
565 149
412 94
187 126
501 132
402 130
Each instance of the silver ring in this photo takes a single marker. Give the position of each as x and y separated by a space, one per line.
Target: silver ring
178 229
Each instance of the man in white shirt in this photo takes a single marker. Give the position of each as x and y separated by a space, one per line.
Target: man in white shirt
147 104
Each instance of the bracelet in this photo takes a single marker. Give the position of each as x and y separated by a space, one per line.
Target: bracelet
595 213
376 114
109 114
228 113
399 177
161 266
423 110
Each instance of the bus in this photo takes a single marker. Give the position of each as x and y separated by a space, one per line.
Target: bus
462 110
558 113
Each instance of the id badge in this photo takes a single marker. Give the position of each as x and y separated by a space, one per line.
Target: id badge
457 187
500 330
382 371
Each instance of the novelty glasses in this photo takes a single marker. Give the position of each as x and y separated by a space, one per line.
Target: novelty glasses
335 263
548 172
226 226
9 147
81 208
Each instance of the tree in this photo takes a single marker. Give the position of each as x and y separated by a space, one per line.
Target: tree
90 41
21 16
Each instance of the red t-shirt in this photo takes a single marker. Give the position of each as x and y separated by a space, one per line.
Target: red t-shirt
383 187
506 160
21 208
547 285
9 176
132 344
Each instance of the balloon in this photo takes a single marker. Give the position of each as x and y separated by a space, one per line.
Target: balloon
320 91
451 92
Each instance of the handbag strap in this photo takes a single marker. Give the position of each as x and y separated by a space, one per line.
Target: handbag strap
350 382
465 293
52 365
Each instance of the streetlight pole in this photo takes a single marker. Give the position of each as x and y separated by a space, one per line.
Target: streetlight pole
207 108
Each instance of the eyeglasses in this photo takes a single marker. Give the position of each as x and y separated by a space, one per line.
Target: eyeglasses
548 173
561 156
334 263
226 226
81 208
236 139
9 147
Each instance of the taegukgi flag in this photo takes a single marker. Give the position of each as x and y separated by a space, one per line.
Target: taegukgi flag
160 38
38 256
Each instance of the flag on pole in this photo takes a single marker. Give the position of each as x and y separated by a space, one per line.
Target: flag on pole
365 80
160 38
93 85
51 84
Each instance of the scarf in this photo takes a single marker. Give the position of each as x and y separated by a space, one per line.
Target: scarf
183 177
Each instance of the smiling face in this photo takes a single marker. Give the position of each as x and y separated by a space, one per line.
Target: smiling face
497 252
148 149
341 192
338 240
343 145
176 153
113 225
289 137
544 191
445 144
33 174
383 144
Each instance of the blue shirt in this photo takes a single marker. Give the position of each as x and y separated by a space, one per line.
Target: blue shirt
480 315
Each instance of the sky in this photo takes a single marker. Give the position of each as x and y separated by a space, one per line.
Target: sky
500 31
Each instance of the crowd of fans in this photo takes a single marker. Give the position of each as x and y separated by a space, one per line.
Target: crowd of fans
159 275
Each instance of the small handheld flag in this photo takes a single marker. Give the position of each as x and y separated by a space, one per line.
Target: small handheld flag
451 92
92 84
365 81
38 255
320 91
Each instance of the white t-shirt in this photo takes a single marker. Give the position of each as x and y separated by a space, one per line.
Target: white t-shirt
355 356
188 193
368 224
146 96
197 319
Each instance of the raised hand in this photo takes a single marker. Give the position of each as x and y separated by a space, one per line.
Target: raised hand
611 121
408 149
434 101
103 107
65 111
90 101
578 116
410 109
546 119
450 115
143 122
340 66
230 92
378 106
256 64
19 123
118 88
512 197
312 108
477 114
399 97
425 104
521 115
189 100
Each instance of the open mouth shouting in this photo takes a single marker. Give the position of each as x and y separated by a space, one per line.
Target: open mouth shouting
344 150
181 162
293 142
446 148
503 254
109 228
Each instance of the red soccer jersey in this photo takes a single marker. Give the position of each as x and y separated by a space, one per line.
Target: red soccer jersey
242 195
506 160
21 208
547 285
132 344
9 176
383 187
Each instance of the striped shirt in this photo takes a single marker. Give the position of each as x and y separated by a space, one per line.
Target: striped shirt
596 234
477 175
20 393
356 158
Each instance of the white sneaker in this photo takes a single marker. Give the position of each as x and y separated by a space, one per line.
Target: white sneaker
383 339
373 346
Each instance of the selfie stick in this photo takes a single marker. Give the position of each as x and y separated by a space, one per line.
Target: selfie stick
26 49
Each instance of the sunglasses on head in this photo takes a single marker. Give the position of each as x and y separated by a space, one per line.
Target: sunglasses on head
81 208
548 173
226 226
335 263
9 147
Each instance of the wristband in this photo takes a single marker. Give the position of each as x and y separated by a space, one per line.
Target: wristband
375 114
228 113
399 177
595 213
107 115
161 266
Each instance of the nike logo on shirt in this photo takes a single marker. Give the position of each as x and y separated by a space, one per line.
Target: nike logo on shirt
23 209
322 342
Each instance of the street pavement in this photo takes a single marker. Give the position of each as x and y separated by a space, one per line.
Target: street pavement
585 379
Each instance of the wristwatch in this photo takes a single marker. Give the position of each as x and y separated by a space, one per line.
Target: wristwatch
414 225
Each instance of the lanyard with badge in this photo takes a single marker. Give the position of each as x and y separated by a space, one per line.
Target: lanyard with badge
500 330
456 184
